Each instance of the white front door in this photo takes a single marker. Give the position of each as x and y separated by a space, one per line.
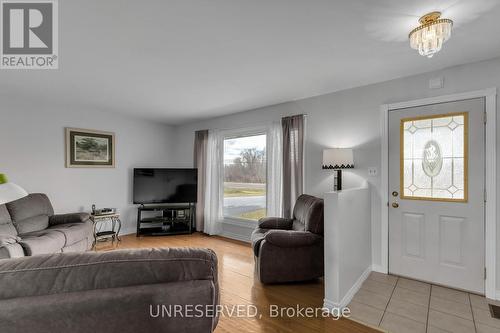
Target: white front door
436 193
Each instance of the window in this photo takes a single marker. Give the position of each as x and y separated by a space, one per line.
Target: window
434 157
245 177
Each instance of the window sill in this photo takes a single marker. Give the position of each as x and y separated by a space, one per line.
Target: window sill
251 224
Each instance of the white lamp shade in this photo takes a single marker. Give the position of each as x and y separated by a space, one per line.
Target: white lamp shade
11 192
338 158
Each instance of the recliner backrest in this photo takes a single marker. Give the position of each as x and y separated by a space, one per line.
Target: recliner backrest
308 214
31 213
6 226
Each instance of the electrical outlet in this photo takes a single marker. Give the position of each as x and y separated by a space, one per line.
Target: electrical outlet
372 172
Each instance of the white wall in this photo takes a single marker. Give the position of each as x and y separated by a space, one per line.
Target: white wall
32 141
33 155
348 254
351 118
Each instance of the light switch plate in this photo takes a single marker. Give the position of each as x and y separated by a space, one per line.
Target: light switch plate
372 172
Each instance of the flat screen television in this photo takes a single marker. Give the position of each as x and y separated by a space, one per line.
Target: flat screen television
158 186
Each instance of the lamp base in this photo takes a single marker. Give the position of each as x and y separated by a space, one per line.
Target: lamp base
337 182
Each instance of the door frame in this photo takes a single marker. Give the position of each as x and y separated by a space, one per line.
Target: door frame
490 173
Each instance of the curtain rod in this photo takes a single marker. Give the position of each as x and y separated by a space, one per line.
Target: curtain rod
295 115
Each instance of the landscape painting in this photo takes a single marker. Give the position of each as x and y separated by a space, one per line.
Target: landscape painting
89 148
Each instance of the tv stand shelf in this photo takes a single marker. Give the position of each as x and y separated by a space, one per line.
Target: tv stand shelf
173 219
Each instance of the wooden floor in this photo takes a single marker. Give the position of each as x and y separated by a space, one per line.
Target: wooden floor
239 286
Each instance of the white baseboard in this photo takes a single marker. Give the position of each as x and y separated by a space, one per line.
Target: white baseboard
235 236
128 231
330 305
379 269
131 231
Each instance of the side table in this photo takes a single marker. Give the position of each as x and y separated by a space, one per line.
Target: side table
99 233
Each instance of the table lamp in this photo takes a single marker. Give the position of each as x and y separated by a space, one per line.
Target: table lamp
10 191
338 159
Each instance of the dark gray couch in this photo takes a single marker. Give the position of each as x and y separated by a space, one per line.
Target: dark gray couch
290 250
116 291
28 226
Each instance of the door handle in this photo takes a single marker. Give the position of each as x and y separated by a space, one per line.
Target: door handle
395 194
395 205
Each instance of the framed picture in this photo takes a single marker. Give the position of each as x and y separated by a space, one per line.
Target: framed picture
89 149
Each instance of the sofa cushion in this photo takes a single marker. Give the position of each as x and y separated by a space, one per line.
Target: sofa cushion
30 213
31 224
81 246
308 211
8 229
298 226
6 226
258 236
42 242
73 232
4 215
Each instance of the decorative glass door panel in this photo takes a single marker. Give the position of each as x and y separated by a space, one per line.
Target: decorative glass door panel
434 157
436 173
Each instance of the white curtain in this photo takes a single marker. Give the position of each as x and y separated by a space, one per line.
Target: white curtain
274 170
213 188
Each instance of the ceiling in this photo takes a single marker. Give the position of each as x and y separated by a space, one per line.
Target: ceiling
185 60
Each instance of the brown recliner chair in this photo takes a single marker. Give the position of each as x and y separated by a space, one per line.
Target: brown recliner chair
289 250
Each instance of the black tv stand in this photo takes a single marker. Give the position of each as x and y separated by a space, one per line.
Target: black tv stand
168 219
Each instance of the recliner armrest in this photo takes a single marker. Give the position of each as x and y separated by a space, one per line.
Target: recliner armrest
277 223
285 238
8 239
68 218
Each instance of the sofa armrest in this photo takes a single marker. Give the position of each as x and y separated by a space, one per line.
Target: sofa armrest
68 218
277 223
76 272
8 239
285 238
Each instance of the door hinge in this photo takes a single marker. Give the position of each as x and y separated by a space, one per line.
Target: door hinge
485 196
485 273
485 117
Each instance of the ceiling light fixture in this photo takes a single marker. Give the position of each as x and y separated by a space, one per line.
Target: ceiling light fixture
432 33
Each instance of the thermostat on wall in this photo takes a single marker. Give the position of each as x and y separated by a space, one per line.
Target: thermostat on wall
436 83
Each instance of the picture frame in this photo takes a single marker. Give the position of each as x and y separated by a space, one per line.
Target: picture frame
89 148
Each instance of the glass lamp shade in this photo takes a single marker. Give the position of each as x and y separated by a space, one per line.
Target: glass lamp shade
11 192
338 158
429 37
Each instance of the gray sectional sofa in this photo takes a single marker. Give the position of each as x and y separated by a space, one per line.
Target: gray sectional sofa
126 291
28 226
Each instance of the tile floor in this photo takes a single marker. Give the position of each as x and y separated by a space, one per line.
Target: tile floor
406 306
